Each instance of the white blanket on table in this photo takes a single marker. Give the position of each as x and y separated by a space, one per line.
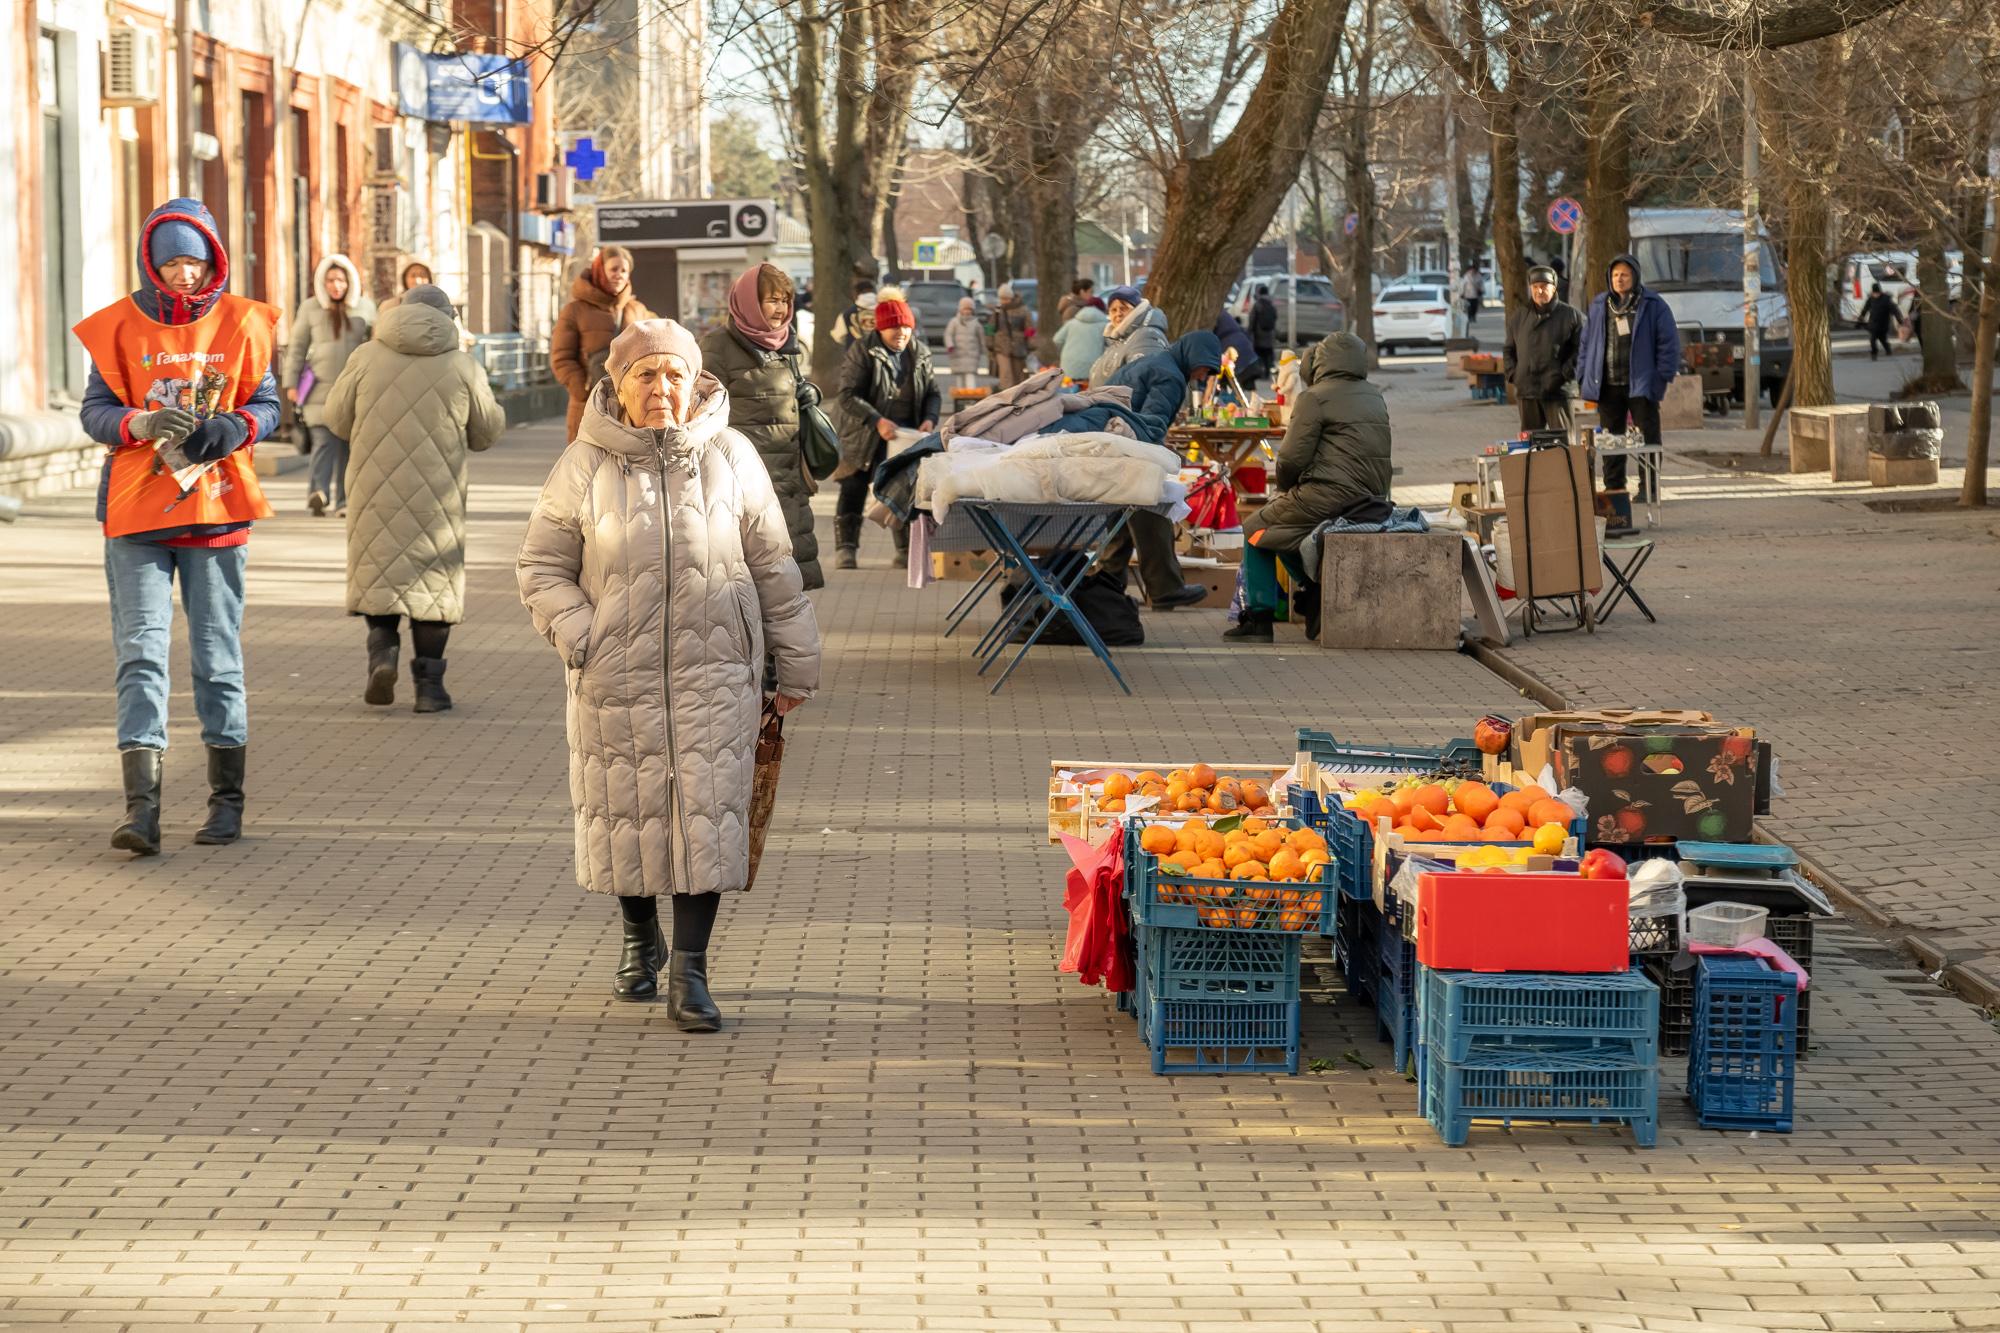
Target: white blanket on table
1088 467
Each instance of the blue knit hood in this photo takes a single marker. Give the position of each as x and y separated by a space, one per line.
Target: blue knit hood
153 297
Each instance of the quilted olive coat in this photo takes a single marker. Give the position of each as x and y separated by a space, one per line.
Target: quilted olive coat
657 563
410 403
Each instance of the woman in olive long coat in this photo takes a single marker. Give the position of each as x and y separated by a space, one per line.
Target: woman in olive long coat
756 356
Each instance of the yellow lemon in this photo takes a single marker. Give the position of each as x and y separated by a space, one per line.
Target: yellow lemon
1549 839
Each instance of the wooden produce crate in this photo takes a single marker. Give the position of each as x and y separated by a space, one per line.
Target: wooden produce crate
1073 808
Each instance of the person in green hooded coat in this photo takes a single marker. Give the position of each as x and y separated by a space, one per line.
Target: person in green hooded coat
1335 455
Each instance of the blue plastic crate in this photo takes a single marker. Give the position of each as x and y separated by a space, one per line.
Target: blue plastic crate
1223 1036
1187 903
1396 992
1220 964
1616 1013
1327 751
1534 1085
1742 1061
1357 925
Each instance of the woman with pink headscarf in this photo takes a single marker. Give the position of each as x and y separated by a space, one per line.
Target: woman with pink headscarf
755 353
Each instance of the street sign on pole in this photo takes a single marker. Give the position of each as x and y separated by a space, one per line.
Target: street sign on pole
1564 215
689 222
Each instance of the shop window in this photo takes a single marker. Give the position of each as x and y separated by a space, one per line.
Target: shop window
59 297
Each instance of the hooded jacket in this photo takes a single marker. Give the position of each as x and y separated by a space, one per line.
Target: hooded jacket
313 342
1540 353
1656 343
104 415
410 404
1336 446
763 389
1142 333
582 338
1159 383
1080 341
869 382
657 563
1232 335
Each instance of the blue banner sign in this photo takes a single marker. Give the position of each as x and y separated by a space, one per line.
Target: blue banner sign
468 86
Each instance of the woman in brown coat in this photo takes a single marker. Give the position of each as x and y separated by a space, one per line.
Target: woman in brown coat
601 306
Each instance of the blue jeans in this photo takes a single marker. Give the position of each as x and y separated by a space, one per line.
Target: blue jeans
141 575
329 465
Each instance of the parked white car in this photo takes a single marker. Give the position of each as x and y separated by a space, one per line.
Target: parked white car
1410 314
1896 270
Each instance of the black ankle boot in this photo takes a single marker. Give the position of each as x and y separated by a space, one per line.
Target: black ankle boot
141 830
688 1002
383 647
1255 626
639 965
428 675
226 765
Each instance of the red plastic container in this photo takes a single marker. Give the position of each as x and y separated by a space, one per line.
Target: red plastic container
1477 921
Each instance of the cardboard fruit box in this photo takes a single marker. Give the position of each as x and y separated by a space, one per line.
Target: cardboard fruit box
1661 784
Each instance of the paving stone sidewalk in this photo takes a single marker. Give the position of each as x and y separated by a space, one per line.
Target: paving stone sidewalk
363 1071
1862 644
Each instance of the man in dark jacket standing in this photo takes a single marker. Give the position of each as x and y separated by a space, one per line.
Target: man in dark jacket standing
1878 316
1541 353
1159 385
1264 330
1630 353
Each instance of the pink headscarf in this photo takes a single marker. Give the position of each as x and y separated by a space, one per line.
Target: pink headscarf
746 309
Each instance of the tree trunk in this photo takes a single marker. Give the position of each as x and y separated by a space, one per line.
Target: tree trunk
1607 183
1938 338
1978 439
1052 196
1219 204
838 215
1509 258
1470 233
1361 197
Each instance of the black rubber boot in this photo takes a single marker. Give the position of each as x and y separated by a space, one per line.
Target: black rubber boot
1186 595
226 765
141 830
1254 627
383 647
428 675
688 1002
1306 604
639 965
846 541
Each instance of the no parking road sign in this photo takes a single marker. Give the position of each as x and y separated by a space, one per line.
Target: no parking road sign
1564 215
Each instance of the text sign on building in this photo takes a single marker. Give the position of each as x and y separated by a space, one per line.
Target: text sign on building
465 86
689 222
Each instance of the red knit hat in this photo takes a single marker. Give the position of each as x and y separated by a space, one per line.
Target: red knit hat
894 314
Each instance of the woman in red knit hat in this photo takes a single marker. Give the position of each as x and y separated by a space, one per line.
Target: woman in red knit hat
885 383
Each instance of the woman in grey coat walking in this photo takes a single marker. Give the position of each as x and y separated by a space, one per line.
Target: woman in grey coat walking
325 333
658 563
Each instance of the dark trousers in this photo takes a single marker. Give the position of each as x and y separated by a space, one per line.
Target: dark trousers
852 505
1878 339
1152 535
1266 368
1614 407
1544 414
427 637
1471 310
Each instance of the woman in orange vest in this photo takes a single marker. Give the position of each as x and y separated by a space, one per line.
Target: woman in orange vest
180 388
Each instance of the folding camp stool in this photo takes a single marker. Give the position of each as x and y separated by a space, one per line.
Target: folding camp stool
1637 551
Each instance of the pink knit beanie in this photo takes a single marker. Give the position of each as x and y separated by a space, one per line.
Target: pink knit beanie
652 337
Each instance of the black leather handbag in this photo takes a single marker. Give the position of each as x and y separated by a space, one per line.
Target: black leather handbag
819 442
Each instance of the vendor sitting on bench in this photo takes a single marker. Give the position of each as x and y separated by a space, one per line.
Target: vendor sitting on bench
1334 459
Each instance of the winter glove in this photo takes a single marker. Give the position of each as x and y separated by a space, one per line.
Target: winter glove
809 395
168 423
215 438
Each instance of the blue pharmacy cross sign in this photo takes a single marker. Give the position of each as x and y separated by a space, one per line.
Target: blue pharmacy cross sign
584 158
1564 215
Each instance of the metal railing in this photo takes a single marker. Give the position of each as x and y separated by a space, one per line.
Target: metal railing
513 360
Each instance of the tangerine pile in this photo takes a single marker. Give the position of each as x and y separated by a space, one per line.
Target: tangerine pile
1193 790
1469 812
1253 859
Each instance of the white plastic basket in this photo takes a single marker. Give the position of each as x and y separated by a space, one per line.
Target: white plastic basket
1726 925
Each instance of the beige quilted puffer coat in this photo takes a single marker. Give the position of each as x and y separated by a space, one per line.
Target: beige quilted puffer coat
410 404
657 563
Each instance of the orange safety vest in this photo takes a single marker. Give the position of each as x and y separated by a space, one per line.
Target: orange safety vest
209 367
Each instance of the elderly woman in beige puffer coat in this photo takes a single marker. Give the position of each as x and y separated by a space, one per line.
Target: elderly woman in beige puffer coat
658 563
410 404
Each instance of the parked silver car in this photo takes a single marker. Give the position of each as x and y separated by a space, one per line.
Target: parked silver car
1320 312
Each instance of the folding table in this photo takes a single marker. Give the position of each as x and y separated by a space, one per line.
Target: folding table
1066 538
